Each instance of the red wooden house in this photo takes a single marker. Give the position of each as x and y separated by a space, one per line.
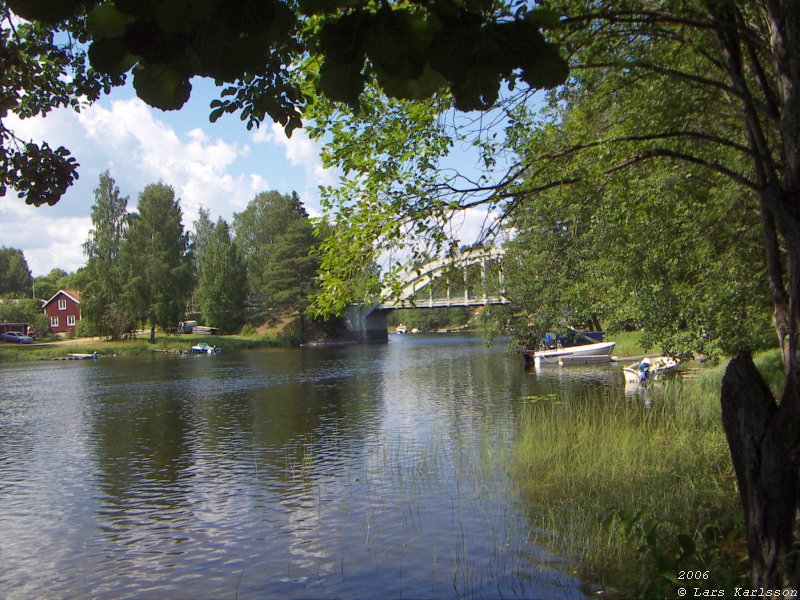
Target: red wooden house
64 311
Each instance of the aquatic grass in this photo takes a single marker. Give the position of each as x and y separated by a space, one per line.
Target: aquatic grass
390 480
582 456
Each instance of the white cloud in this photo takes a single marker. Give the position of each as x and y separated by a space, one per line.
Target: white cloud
196 165
468 226
139 146
299 150
47 241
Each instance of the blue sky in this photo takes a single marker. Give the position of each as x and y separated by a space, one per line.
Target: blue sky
220 166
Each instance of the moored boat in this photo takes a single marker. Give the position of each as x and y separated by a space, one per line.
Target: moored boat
203 348
649 369
599 352
78 356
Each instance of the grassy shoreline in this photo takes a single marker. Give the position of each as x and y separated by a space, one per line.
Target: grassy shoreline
627 345
633 494
170 343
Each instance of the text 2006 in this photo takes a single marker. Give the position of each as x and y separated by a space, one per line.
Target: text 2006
692 575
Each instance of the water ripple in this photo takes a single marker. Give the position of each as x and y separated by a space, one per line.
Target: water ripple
278 474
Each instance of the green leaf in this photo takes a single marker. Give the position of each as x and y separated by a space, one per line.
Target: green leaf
342 81
163 86
342 40
182 16
477 89
249 16
453 49
546 72
411 89
687 544
111 56
476 6
146 39
318 7
543 18
398 42
669 575
216 114
48 11
281 24
106 21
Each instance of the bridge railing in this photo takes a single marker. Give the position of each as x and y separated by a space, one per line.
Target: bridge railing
452 282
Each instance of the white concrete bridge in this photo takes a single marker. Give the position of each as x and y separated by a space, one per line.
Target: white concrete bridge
442 283
423 279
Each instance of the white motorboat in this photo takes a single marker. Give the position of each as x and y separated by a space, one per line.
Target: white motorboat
203 348
649 369
599 352
78 356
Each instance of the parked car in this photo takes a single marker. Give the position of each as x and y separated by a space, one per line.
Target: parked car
18 337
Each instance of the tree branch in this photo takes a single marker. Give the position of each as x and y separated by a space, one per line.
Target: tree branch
644 17
702 81
664 153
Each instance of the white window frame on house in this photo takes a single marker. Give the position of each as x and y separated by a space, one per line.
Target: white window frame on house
53 321
70 320
62 304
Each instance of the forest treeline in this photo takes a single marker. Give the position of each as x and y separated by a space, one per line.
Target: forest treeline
145 269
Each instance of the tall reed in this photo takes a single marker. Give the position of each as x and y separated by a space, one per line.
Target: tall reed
581 458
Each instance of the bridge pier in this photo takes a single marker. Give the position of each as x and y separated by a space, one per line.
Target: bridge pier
368 324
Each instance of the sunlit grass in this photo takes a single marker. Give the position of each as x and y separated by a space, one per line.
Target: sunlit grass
170 343
627 343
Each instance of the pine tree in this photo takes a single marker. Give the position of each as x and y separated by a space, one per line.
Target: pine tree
290 269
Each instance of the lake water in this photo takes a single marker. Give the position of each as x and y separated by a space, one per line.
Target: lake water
358 472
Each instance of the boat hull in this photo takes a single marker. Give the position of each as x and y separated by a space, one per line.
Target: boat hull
600 352
204 349
82 356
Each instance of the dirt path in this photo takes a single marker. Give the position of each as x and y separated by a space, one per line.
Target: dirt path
72 342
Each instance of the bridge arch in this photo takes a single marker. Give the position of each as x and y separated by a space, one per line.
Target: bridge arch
368 323
426 275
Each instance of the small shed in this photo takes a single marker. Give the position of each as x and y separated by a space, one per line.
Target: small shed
64 311
21 327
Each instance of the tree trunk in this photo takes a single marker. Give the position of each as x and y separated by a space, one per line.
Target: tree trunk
302 326
763 438
152 331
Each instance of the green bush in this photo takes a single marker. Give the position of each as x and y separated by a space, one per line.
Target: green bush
672 553
40 323
19 310
86 328
247 330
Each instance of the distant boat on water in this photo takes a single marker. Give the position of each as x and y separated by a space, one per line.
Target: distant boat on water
79 356
203 348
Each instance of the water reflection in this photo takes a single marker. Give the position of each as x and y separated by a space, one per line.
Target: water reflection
600 375
270 474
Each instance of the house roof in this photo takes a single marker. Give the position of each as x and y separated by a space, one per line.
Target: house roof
73 295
